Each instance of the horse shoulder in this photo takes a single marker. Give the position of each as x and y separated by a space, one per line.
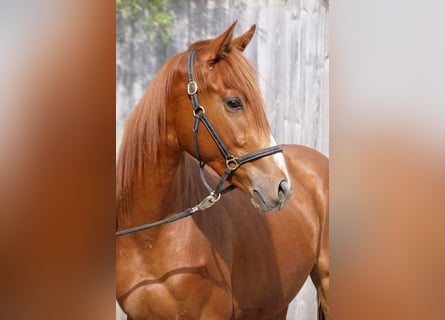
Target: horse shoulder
157 281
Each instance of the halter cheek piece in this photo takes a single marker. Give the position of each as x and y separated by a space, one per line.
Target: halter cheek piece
232 162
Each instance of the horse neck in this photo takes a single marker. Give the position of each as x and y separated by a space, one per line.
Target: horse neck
152 185
157 186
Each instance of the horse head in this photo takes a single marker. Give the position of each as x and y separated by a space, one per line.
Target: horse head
229 95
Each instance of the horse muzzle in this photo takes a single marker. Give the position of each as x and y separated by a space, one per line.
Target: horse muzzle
271 197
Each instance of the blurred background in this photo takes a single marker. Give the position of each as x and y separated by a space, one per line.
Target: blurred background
58 114
289 49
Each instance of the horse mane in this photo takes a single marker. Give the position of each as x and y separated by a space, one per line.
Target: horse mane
144 129
145 126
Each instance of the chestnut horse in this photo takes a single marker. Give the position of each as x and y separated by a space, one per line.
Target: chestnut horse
248 255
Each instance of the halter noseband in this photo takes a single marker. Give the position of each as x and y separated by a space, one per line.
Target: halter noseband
232 162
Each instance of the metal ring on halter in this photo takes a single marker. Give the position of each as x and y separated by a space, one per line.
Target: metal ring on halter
199 110
233 163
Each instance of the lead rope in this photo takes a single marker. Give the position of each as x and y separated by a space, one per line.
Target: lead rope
206 203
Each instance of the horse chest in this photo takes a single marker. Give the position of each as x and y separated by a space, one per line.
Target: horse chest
177 278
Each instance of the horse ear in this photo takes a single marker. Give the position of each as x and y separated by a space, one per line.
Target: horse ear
220 46
242 41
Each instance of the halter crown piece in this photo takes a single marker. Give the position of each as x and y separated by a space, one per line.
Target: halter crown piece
232 162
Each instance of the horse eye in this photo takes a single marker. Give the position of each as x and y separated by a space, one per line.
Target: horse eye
234 103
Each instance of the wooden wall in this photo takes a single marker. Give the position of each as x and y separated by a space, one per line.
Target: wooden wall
290 50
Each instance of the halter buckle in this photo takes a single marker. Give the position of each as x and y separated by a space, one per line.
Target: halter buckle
233 163
192 88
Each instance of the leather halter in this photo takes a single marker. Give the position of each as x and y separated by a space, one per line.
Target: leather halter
232 162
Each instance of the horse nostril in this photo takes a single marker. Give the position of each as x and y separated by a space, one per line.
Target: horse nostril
283 190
